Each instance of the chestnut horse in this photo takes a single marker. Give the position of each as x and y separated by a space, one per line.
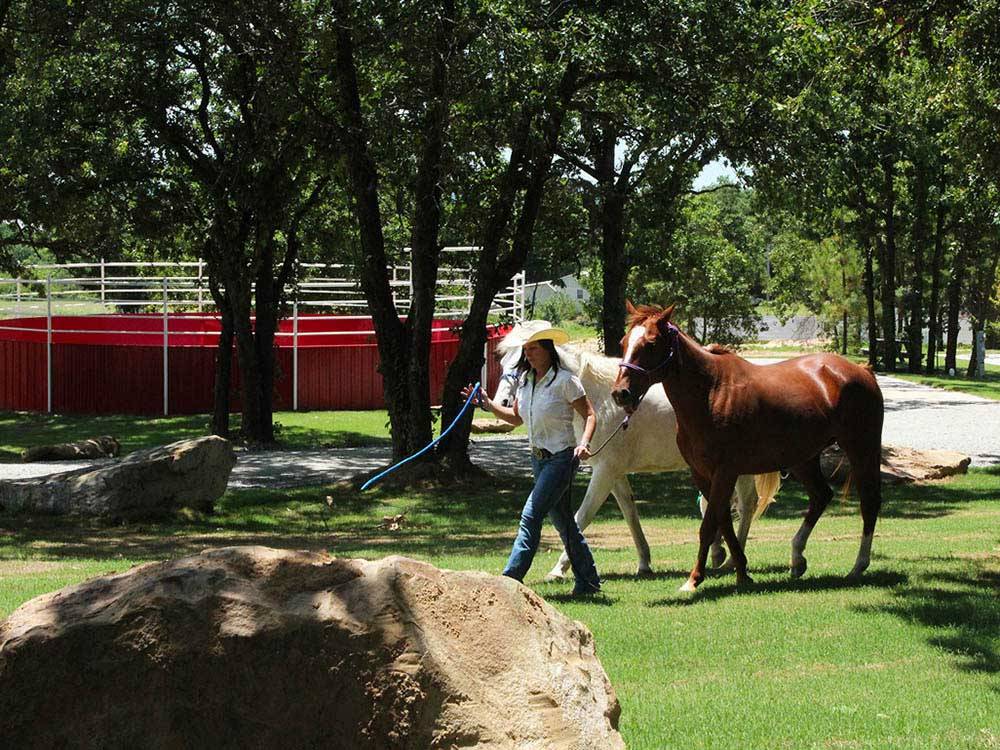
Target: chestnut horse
734 418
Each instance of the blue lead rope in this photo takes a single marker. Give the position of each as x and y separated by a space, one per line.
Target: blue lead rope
469 400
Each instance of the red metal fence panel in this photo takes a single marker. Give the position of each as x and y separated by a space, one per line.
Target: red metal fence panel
113 364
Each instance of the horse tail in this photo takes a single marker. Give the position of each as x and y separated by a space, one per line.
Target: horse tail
767 487
845 493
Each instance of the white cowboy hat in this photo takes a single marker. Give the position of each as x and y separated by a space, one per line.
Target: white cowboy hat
535 330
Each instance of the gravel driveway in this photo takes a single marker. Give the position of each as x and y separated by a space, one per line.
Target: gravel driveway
915 415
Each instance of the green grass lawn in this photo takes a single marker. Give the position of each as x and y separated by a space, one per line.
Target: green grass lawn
908 658
294 430
305 429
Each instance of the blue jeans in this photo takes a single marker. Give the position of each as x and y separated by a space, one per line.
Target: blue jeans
549 497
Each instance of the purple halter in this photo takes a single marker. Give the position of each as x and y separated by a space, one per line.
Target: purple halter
669 358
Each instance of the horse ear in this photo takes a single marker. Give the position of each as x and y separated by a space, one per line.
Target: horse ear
629 307
664 318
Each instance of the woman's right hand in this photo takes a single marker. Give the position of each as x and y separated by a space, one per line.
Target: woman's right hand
481 399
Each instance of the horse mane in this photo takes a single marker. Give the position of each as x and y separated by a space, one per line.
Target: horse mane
603 369
642 312
718 349
507 343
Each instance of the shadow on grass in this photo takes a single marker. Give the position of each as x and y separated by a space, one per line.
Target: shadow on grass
158 541
963 612
656 575
673 496
437 523
474 519
599 600
22 430
133 432
302 438
883 579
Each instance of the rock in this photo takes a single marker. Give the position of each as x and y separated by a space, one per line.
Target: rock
491 425
258 647
104 446
899 464
149 483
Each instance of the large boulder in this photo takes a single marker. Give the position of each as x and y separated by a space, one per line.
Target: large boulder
483 425
104 446
257 647
900 465
145 484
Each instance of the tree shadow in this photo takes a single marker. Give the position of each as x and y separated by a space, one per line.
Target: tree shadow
962 611
133 432
880 579
656 575
672 496
297 438
595 600
478 523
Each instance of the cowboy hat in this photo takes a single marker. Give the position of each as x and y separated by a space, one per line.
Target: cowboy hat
535 330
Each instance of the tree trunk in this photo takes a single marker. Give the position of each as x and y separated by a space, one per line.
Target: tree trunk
955 285
223 371
394 354
919 244
528 169
251 428
843 287
934 313
870 302
267 314
887 264
981 289
611 219
424 239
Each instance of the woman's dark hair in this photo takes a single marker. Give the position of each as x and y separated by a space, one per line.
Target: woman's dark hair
523 367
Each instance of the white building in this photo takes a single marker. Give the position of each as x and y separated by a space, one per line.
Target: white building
567 285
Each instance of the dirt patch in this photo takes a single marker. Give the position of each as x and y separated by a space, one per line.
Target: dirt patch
900 464
27 567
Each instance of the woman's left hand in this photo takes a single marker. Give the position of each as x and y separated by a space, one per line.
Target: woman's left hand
581 452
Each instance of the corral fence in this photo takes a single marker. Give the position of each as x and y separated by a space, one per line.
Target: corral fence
168 306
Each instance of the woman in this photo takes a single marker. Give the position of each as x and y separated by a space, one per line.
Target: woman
545 400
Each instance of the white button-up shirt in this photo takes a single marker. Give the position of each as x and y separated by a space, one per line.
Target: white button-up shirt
547 408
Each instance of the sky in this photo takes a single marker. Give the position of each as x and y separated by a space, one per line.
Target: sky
713 171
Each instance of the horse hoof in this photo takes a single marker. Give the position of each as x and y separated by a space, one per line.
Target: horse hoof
798 568
555 575
644 571
730 564
689 586
718 558
743 580
857 572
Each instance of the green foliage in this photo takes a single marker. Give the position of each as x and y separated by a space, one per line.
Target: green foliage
709 268
557 309
823 278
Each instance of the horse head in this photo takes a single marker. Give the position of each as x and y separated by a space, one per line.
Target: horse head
508 376
650 345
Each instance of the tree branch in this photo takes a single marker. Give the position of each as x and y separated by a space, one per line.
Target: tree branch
206 96
576 161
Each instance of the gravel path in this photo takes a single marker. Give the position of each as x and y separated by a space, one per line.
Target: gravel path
915 415
302 468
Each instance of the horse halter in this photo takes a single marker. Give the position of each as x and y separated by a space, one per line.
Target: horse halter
673 352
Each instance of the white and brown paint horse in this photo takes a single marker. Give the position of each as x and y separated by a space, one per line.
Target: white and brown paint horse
649 445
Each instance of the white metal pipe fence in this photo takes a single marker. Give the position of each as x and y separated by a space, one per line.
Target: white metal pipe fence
70 289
